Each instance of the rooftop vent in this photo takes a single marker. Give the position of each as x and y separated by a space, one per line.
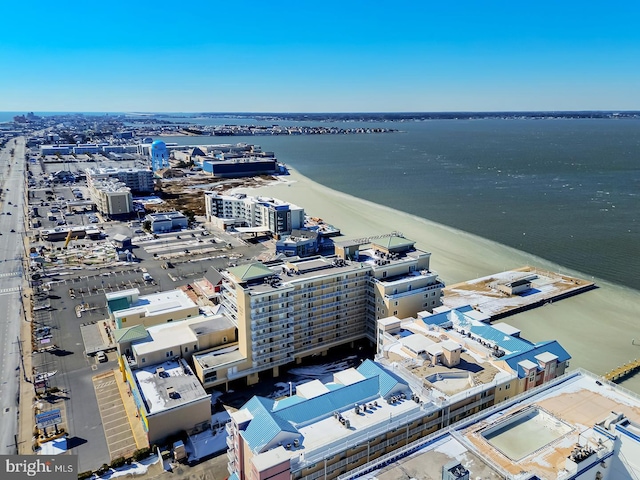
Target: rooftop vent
172 393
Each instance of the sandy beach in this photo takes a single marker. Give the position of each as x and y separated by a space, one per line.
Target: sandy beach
596 327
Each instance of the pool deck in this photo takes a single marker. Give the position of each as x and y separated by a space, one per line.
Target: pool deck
580 406
484 296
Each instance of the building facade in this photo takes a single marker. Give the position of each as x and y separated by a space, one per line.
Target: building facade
240 210
288 310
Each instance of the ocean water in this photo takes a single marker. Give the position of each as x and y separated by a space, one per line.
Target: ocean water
566 190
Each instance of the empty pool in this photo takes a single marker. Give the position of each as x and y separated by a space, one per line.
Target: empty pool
525 432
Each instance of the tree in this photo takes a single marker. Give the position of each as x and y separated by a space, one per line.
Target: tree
146 225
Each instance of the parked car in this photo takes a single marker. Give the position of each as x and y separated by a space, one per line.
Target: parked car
101 357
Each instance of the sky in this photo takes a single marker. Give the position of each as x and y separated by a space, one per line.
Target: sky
328 56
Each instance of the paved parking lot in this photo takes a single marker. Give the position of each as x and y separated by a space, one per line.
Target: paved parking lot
117 430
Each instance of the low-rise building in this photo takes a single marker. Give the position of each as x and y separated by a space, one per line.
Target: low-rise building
128 308
169 399
142 346
167 221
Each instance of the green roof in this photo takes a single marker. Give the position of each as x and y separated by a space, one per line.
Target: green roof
393 242
118 304
251 271
129 334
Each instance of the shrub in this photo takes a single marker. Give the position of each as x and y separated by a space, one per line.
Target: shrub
141 453
85 475
117 462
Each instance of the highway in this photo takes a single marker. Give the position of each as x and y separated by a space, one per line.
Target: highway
11 277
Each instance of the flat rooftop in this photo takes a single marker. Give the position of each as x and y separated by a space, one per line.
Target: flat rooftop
541 431
477 367
572 407
219 357
289 273
182 332
168 385
483 294
158 303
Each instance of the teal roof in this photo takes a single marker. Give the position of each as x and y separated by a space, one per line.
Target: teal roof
270 418
251 271
551 346
387 380
118 304
130 334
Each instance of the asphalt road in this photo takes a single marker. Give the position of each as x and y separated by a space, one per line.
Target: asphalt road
11 275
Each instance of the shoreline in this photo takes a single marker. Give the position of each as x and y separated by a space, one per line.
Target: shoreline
595 327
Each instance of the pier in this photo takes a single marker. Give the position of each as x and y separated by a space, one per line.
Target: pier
621 372
507 293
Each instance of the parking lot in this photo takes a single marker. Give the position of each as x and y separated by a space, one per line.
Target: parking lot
58 293
117 429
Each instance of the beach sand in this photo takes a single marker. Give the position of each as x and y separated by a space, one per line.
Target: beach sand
596 327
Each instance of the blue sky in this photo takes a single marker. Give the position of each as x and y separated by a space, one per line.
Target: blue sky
364 56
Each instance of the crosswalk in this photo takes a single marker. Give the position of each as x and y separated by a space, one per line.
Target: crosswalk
7 291
11 274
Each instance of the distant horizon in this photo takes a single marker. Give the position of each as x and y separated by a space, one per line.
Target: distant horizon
283 112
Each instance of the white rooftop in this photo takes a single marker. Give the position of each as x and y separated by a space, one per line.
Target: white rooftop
506 328
546 357
270 459
311 389
155 386
348 376
158 303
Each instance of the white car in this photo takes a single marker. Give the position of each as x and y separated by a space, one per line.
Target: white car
101 357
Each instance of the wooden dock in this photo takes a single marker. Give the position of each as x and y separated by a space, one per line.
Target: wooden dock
621 372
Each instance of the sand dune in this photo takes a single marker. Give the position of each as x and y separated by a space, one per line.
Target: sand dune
596 327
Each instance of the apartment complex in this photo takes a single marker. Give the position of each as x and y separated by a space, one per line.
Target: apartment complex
111 198
426 379
288 310
137 179
256 214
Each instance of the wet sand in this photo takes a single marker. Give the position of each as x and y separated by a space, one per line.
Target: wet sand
596 327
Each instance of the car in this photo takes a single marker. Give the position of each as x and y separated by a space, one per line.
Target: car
101 357
138 231
13 230
8 213
147 278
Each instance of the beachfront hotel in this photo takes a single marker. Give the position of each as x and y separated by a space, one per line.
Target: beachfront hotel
252 214
428 377
287 310
577 426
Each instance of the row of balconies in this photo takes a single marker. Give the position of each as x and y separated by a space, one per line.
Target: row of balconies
299 299
270 334
274 322
281 353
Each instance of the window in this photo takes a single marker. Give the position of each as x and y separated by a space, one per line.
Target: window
508 386
143 360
